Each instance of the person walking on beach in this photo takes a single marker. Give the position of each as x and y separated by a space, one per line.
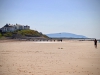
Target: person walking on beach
95 43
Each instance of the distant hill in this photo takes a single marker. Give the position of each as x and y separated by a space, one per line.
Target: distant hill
65 35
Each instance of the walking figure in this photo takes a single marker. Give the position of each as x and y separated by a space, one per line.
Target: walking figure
95 43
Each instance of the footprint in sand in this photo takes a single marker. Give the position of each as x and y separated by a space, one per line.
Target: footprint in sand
0 65
60 48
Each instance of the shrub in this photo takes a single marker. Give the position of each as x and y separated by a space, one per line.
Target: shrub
0 35
8 34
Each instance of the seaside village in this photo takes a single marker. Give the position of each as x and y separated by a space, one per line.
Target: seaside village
12 28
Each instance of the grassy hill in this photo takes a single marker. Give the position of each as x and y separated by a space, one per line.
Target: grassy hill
22 33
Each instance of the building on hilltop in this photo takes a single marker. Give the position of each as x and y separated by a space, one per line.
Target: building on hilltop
11 27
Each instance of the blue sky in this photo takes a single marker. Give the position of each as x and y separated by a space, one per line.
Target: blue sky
54 16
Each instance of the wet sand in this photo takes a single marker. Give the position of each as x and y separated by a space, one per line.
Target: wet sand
49 58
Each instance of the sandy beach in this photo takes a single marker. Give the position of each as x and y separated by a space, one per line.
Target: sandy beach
49 58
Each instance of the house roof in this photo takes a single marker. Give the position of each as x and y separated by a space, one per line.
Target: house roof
8 25
11 25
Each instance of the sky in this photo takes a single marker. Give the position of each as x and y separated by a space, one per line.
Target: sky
80 17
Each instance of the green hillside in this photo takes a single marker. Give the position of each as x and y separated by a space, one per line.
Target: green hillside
23 33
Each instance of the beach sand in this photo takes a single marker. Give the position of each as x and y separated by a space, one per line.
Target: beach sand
49 58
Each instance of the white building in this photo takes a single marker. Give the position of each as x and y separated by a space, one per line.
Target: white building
11 27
